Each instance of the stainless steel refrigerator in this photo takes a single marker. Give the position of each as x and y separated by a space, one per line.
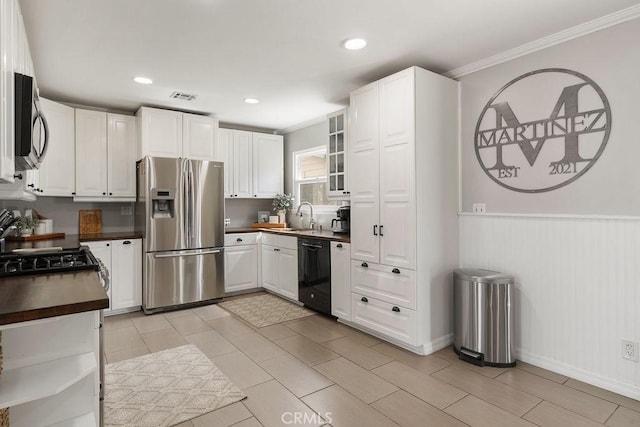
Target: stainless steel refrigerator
180 212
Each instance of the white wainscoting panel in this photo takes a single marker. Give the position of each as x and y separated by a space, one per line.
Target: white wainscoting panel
577 290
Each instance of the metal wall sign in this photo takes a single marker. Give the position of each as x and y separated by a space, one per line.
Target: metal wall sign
542 130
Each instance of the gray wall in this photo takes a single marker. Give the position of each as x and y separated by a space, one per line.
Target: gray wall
611 58
244 212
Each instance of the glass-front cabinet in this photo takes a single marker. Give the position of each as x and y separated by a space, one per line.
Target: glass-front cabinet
337 155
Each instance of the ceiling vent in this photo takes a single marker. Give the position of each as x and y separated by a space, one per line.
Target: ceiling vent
182 96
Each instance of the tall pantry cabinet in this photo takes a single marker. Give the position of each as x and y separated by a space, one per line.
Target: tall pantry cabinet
404 185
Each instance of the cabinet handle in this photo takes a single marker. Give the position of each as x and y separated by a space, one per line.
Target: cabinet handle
364 264
126 242
108 244
339 245
104 194
30 185
73 194
364 299
375 230
276 250
396 309
381 235
396 271
238 239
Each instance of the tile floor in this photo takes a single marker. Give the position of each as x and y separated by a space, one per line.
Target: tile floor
316 366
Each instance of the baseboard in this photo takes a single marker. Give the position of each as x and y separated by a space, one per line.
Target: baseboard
423 350
625 389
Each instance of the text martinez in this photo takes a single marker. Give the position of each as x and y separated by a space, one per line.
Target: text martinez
569 126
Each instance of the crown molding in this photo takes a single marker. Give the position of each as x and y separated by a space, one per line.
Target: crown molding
606 21
302 125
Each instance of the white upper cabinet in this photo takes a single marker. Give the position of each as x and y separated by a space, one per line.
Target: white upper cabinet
106 152
199 137
121 154
160 132
54 179
268 165
91 152
225 154
253 163
167 133
242 164
337 155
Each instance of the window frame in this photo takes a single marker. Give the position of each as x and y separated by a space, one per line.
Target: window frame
297 181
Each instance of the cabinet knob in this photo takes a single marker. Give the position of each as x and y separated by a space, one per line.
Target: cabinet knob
339 245
364 299
396 309
238 239
255 195
104 194
111 194
126 242
396 271
73 194
364 264
108 244
276 250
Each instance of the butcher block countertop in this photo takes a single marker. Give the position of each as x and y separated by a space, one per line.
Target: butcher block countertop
314 234
48 295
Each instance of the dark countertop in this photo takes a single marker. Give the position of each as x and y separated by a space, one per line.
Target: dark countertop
48 295
324 235
72 241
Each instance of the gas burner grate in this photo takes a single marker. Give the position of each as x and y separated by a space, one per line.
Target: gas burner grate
68 260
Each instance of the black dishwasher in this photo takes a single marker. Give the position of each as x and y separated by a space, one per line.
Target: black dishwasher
314 274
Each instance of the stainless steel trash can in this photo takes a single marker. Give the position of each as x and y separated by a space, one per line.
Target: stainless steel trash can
483 317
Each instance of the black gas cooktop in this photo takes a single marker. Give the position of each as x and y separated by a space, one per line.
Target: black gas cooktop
64 261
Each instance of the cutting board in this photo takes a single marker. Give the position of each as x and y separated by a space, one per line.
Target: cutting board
267 225
90 221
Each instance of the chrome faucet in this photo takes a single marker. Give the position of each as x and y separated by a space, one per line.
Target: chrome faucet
312 221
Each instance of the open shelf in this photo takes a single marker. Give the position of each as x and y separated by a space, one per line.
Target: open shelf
28 383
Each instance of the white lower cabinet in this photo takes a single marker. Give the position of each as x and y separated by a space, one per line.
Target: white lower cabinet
280 265
51 370
123 259
391 320
340 280
241 261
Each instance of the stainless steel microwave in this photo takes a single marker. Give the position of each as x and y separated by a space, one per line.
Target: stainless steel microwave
31 129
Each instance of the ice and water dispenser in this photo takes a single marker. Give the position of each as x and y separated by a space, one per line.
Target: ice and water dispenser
162 203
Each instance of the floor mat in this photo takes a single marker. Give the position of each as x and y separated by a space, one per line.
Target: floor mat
265 310
165 388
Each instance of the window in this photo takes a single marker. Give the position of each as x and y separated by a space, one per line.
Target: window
310 177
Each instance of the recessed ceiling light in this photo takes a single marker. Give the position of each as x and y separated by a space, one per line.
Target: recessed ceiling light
143 80
355 44
251 100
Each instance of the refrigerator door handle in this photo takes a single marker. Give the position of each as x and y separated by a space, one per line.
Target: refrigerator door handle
184 176
192 208
178 255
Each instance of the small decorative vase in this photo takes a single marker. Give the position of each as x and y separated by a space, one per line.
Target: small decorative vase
26 232
282 217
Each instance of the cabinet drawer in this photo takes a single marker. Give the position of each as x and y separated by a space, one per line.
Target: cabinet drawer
240 239
388 319
379 281
287 242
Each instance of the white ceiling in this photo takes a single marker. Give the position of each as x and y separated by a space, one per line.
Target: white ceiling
287 53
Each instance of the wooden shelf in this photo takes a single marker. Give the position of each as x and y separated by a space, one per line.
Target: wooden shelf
28 383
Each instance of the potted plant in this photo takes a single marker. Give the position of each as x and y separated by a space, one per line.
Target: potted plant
25 225
281 204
